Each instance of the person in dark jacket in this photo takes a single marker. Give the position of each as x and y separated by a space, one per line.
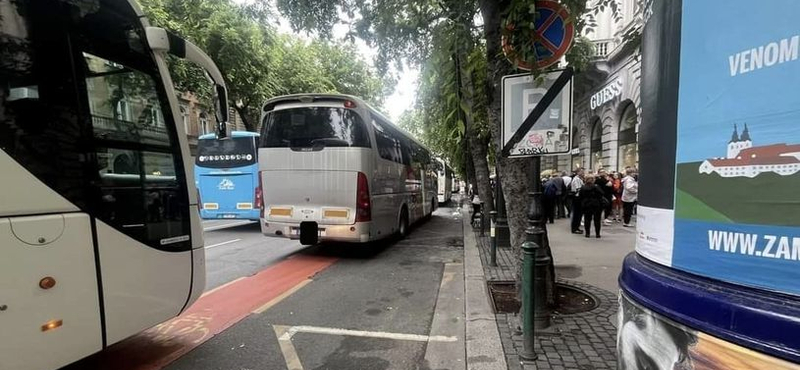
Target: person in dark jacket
551 193
592 204
603 181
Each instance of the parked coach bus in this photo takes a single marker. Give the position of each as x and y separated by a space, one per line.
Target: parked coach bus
100 234
445 179
334 169
226 174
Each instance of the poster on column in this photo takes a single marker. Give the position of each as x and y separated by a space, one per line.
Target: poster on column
737 165
648 340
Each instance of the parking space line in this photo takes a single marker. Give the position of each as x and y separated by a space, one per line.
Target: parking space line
281 297
287 348
366 334
223 243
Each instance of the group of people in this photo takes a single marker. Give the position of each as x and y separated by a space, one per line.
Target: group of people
596 198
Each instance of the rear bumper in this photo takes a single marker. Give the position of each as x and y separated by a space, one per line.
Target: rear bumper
250 214
355 233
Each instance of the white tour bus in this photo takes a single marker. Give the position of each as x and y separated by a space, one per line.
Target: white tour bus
445 178
100 234
334 169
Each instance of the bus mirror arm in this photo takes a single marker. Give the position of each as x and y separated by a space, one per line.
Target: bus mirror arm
161 40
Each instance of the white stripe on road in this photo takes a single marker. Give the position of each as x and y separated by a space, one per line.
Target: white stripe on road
367 334
223 243
285 334
225 226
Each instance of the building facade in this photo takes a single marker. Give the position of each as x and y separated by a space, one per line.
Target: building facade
197 119
606 112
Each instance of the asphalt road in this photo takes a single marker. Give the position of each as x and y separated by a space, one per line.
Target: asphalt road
271 303
372 309
236 249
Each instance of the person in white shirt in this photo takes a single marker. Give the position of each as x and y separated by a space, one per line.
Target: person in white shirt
630 194
566 198
575 186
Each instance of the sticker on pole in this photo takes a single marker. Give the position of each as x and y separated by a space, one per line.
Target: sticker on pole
537 114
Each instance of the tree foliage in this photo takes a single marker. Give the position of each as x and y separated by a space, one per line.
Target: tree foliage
257 62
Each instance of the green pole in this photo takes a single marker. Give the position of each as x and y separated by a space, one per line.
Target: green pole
528 300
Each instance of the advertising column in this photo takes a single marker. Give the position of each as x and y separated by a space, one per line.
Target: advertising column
715 281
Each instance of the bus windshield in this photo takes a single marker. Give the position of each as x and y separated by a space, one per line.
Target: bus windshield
309 127
233 152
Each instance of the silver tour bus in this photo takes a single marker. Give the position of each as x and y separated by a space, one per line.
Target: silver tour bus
332 168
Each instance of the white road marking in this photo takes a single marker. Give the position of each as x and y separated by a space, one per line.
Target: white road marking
282 296
287 348
225 226
366 334
223 243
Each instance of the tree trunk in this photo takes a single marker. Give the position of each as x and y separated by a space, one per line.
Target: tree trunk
242 112
515 173
478 148
469 167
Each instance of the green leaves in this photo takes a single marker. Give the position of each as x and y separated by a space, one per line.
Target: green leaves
256 62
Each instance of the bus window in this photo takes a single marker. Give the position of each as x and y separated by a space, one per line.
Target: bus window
310 127
123 103
233 152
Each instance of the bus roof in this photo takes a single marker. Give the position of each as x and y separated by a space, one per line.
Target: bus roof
233 134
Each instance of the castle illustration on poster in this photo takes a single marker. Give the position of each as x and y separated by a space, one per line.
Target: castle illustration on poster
745 160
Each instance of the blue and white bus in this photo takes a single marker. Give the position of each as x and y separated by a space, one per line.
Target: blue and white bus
226 174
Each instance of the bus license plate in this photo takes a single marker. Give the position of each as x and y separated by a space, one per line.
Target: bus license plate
228 216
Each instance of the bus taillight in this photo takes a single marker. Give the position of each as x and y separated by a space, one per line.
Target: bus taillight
259 197
363 204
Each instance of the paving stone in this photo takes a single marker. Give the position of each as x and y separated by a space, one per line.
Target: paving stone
583 341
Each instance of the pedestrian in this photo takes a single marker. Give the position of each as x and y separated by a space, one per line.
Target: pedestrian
630 194
575 187
617 199
567 192
603 180
561 191
592 204
551 193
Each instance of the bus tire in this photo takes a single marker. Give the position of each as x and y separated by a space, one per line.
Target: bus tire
402 228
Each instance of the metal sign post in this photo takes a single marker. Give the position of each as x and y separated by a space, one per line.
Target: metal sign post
547 108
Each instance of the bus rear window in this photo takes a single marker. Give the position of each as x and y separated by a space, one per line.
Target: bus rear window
234 152
310 127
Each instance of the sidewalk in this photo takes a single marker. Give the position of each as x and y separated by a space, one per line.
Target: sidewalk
574 341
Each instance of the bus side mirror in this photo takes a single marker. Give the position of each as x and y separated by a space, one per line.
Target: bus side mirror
221 102
161 40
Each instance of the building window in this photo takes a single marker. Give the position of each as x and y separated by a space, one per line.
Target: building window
185 120
203 119
596 146
628 148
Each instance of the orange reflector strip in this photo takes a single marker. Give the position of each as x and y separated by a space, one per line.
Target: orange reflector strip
210 205
330 213
244 205
280 211
52 324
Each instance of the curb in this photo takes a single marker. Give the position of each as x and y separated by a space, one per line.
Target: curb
484 349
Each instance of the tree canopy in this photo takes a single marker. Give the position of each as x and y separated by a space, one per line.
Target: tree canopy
257 62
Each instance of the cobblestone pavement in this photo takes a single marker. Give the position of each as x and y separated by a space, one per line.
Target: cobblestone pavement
577 341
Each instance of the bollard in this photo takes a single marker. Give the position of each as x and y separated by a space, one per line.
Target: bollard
493 239
528 300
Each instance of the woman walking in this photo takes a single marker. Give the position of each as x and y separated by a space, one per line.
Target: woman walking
592 204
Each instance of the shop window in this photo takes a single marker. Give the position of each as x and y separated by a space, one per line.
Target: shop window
628 149
597 145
